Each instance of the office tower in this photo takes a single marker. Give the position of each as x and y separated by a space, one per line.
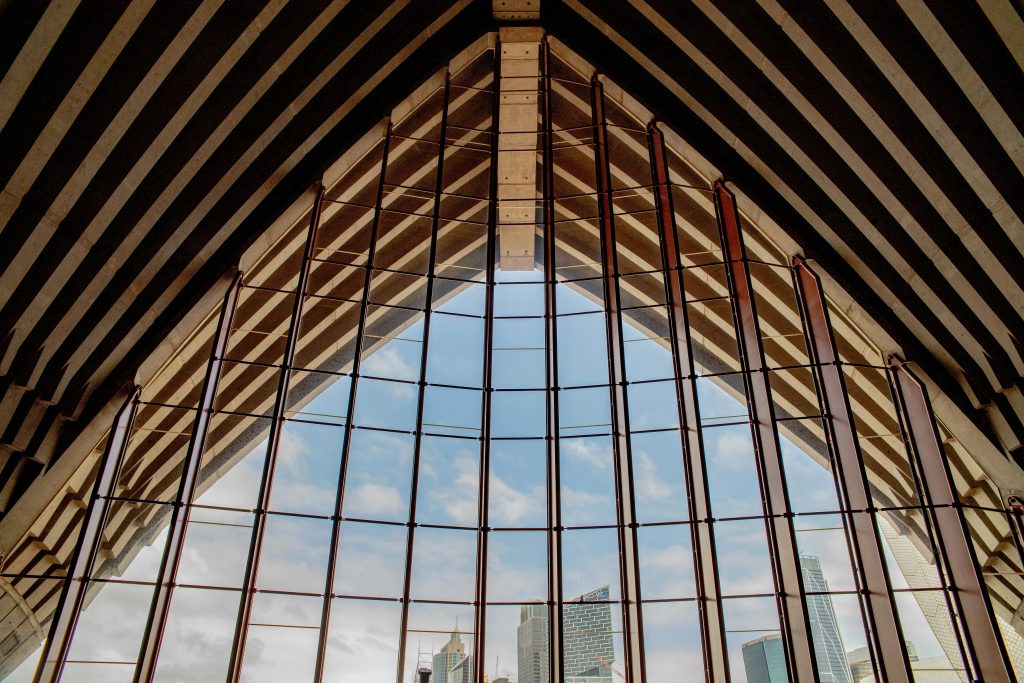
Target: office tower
764 660
462 672
532 644
447 658
829 652
587 638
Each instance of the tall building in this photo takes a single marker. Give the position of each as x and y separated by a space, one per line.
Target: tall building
450 656
587 643
532 644
829 652
764 660
587 638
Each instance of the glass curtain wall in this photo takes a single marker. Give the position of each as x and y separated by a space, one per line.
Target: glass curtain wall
635 459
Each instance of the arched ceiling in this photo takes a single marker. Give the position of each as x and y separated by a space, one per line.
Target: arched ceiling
148 145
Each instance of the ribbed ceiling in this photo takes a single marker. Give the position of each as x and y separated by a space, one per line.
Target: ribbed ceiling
147 145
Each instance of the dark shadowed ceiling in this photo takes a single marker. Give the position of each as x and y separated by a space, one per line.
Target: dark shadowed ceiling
146 145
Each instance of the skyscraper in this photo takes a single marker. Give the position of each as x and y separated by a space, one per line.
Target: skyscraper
829 652
764 661
588 648
532 644
587 637
763 658
448 658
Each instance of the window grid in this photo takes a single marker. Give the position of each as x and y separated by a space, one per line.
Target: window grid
667 294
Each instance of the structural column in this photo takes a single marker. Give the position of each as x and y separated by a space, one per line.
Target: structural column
555 631
346 446
273 442
796 634
422 383
709 604
628 561
980 630
886 638
83 561
168 573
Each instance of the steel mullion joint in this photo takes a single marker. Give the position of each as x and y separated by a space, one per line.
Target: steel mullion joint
981 634
626 511
422 384
483 489
885 634
273 441
793 615
83 561
182 510
346 446
709 605
556 646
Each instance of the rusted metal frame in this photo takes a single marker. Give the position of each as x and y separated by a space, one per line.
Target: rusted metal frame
629 567
422 384
483 490
966 585
885 637
709 602
346 445
167 575
793 617
556 663
273 442
83 560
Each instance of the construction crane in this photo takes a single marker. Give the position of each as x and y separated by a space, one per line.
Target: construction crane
608 665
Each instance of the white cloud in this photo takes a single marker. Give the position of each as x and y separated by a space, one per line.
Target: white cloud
649 484
388 362
377 499
732 451
588 451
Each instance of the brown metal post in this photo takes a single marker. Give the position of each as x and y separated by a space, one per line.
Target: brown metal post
273 442
796 633
83 561
709 604
967 589
555 597
629 567
886 637
422 384
484 481
353 394
168 573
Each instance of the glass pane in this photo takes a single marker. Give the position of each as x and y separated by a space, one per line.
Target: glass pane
362 644
449 480
294 555
519 354
587 481
753 639
592 637
590 569
306 473
440 637
582 350
371 560
518 493
517 568
444 564
659 479
671 640
452 411
518 413
653 405
216 548
197 639
744 561
732 473
379 476
284 631
666 562
464 368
